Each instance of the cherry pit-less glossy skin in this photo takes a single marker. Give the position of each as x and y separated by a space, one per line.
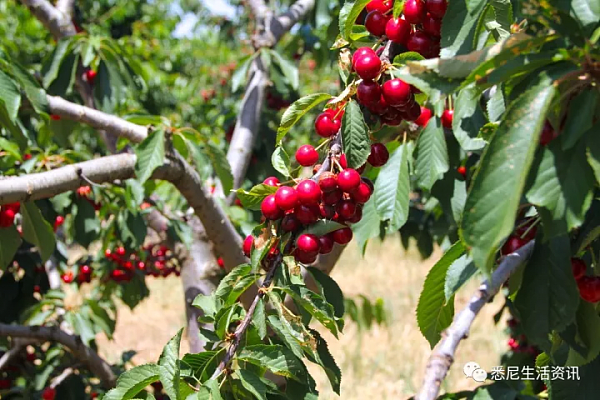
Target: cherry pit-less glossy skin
308 243
286 198
326 125
383 6
396 92
368 66
307 156
447 117
437 8
414 11
308 192
462 170
362 194
271 181
376 22
326 242
398 30
424 117
579 268
348 180
270 209
589 288
247 247
513 243
421 43
368 93
328 181
342 236
379 155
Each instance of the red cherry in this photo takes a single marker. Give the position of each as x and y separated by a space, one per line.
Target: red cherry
343 161
58 222
348 180
424 117
269 208
368 66
375 23
332 197
462 170
362 194
121 251
513 244
327 211
7 218
271 181
307 156
13 206
432 26
447 117
360 52
356 217
420 42
589 288
326 126
382 6
141 265
548 134
107 253
437 8
526 232
286 198
379 155
414 11
346 209
67 277
579 268
305 258
342 236
247 247
85 269
307 214
368 93
398 30
396 92
308 243
328 181
379 107
308 192
290 223
49 393
55 117
326 243
90 75
220 262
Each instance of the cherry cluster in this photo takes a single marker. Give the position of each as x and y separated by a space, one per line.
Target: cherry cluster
418 28
8 213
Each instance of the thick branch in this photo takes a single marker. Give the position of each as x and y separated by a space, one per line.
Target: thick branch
86 355
52 18
442 356
66 7
284 22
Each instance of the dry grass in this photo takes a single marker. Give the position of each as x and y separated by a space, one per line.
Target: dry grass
383 363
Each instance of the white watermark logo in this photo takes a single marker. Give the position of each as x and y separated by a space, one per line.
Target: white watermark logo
525 373
473 370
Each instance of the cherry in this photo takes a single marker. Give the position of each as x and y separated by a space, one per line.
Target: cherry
142 265
392 118
348 180
326 243
343 161
548 134
49 393
342 236
326 126
526 232
513 244
432 26
379 107
307 214
437 8
290 223
85 269
7 218
328 181
305 258
327 211
589 288
368 93
346 209
55 117
13 206
396 92
269 208
414 11
308 243
247 247
420 42
67 277
375 23
356 217
379 155
306 155
332 197
286 198
579 268
362 194
447 117
58 222
37 289
413 112
368 66
90 75
308 192
360 52
424 117
398 30
121 251
462 170
382 6
107 253
271 181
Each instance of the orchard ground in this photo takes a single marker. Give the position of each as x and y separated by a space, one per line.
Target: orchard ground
383 363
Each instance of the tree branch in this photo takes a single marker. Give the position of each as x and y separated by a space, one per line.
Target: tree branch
51 18
284 22
442 356
66 7
85 354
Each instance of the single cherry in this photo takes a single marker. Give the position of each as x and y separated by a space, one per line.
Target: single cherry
447 117
290 223
270 209
308 192
432 26
55 117
49 393
368 66
424 117
326 243
382 6
305 258
327 211
58 222
548 134
326 126
346 209
414 11
375 23
306 155
396 92
513 244
589 288
271 181
286 198
332 197
420 42
308 243
356 217
348 180
247 247
362 194
437 8
362 51
368 93
579 268
90 75
307 214
379 155
398 30
67 277
7 218
462 170
328 181
342 236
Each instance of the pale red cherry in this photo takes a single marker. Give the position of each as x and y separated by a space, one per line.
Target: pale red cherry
306 155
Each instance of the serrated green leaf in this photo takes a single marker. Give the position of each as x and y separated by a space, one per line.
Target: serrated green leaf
252 383
60 53
169 363
86 225
289 69
259 319
548 297
434 313
281 161
206 303
235 283
11 240
398 8
203 364
586 11
578 123
348 15
458 29
10 95
330 290
324 358
131 382
220 164
297 111
593 153
276 358
407 56
10 147
459 272
503 171
432 154
251 200
368 227
323 227
150 155
392 190
315 305
355 136
37 231
468 119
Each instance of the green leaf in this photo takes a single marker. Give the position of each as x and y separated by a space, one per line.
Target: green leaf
468 119
432 154
169 362
60 52
593 153
259 319
355 136
392 190
434 313
459 27
252 383
235 283
276 358
206 303
584 388
220 164
348 15
37 231
548 297
281 161
368 227
239 76
289 69
586 11
324 358
86 225
10 95
131 382
398 8
330 290
503 172
150 155
459 272
588 332
403 58
297 111
11 148
11 240
251 200
323 227
316 306
579 122
203 364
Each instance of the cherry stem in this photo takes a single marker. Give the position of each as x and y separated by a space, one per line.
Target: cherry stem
322 144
